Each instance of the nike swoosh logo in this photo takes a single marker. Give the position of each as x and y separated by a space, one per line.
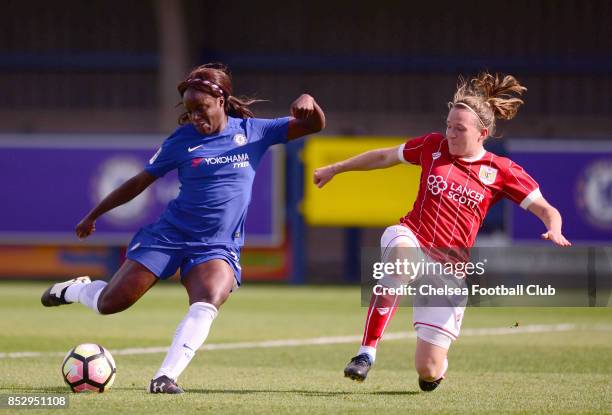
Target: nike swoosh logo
190 149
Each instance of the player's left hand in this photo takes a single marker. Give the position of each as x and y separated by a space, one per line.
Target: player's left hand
557 238
303 107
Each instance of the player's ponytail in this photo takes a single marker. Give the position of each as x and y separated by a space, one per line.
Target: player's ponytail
489 97
215 79
239 107
498 91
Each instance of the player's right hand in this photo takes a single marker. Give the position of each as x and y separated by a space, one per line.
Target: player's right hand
85 227
557 238
323 175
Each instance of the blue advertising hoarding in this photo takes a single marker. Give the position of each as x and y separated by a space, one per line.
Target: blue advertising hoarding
576 178
49 182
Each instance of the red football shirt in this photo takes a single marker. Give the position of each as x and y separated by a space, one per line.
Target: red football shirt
456 193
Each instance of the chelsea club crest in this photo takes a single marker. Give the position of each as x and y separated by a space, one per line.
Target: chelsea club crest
240 139
594 194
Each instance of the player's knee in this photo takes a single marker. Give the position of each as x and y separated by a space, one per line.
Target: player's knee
428 370
215 297
404 244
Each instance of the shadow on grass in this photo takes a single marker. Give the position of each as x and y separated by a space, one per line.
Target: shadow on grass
39 389
258 391
63 389
299 392
310 393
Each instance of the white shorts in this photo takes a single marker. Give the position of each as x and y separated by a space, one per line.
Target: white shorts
399 241
443 320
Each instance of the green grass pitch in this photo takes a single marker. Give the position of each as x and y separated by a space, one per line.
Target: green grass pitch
566 371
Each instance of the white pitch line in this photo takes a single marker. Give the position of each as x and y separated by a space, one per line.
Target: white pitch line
495 331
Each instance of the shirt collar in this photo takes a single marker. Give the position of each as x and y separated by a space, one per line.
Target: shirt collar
474 158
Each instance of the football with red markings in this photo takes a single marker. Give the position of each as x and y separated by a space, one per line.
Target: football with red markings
89 368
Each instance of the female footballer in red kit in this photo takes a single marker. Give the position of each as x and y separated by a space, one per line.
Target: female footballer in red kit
459 182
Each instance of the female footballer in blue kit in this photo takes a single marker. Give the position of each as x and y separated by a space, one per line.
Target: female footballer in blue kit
216 150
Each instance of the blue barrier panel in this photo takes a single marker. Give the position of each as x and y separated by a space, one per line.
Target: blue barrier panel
49 184
576 178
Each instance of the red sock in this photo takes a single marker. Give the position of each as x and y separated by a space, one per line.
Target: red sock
381 310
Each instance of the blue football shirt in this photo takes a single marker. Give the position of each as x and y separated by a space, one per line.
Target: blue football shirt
216 173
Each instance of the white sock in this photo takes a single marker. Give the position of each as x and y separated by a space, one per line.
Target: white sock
189 337
86 294
369 350
73 291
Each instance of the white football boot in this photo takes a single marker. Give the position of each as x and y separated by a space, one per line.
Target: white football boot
55 295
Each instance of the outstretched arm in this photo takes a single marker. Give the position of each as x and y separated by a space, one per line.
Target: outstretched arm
308 117
121 195
551 219
370 160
